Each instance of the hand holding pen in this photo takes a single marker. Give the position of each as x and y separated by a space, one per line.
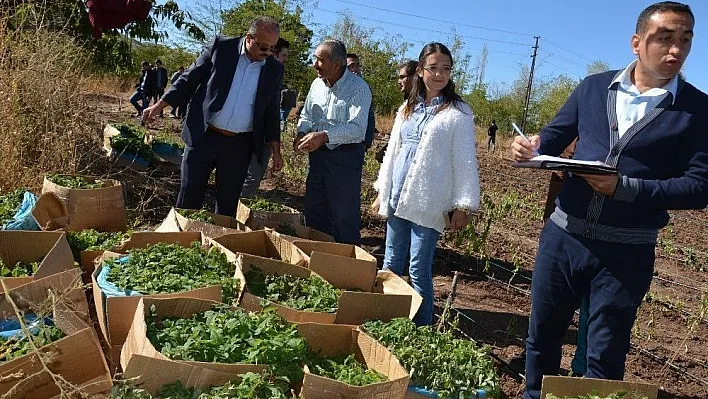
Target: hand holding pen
524 148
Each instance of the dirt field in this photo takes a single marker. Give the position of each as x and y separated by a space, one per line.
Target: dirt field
670 338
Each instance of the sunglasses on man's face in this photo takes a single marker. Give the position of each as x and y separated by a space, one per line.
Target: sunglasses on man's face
264 47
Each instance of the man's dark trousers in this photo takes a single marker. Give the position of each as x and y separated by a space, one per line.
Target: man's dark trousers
230 156
333 193
568 266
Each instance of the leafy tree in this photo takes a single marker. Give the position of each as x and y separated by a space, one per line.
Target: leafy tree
289 14
597 66
554 94
172 57
378 58
112 53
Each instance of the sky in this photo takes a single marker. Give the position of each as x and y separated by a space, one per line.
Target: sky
572 33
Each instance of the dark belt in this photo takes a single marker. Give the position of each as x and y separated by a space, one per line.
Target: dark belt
224 132
342 147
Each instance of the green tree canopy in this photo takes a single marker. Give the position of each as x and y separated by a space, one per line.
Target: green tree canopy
289 14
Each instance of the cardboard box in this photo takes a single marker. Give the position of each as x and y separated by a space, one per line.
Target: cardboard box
266 244
77 357
307 233
115 314
51 248
137 342
256 219
572 386
332 340
142 374
221 225
127 159
50 213
66 287
357 264
101 208
376 296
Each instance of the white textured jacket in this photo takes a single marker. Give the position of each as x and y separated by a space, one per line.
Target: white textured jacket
443 175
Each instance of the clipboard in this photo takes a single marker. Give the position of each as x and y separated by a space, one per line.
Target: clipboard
569 165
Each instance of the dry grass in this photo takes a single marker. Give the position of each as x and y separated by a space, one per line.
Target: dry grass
46 124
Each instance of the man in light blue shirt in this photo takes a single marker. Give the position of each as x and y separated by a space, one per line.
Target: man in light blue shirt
332 128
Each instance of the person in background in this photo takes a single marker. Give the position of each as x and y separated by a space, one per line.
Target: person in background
143 89
492 133
257 169
332 128
650 124
180 109
406 75
161 80
429 171
224 128
354 66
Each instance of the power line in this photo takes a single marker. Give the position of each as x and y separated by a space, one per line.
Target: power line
567 50
434 19
429 30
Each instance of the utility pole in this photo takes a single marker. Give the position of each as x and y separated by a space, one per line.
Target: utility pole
528 87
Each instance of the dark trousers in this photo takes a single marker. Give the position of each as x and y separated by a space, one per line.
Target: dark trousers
229 156
615 276
333 192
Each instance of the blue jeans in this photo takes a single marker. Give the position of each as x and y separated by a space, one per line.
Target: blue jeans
404 237
139 95
284 112
256 171
613 276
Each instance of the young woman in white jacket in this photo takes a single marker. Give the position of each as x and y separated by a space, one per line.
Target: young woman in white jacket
430 169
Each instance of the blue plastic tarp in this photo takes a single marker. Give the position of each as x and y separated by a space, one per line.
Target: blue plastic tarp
23 219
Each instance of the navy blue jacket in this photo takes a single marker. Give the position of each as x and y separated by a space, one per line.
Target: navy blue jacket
208 81
662 159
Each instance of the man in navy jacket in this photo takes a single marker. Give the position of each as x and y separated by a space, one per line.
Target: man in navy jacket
233 92
651 125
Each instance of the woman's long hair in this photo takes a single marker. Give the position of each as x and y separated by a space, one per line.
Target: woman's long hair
450 97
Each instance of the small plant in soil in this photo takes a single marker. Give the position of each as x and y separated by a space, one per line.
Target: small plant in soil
201 215
437 361
9 204
250 386
94 240
234 336
262 204
311 294
75 182
21 269
18 345
167 268
286 229
344 368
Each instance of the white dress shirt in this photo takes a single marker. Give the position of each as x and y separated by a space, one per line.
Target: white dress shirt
342 111
631 105
237 113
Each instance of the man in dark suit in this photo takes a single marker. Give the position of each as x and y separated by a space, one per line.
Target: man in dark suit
144 88
234 110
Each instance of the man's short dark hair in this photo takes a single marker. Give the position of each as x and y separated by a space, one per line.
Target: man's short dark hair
352 55
410 66
158 61
281 44
664 6
145 64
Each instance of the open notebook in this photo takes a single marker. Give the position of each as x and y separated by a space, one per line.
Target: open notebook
570 165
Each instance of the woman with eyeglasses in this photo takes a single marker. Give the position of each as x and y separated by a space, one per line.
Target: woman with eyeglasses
429 172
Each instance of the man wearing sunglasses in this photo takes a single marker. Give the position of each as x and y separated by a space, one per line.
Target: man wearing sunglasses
233 90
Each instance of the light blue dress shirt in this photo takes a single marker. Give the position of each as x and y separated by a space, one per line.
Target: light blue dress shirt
342 111
411 132
237 113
